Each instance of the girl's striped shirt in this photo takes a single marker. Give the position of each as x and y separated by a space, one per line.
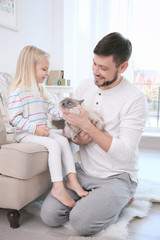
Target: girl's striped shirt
28 110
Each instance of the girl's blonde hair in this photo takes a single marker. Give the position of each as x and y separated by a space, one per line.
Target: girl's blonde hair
25 71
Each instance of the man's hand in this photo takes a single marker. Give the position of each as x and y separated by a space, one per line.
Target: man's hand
78 120
83 138
41 131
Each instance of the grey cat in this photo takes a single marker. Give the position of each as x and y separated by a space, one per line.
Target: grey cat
70 131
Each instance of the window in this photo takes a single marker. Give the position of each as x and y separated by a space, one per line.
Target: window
149 82
137 20
146 51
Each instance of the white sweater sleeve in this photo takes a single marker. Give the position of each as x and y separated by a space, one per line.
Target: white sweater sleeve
133 120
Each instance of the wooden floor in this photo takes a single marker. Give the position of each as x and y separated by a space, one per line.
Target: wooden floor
147 228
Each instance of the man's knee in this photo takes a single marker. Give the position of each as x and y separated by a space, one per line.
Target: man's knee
89 224
83 224
53 213
47 217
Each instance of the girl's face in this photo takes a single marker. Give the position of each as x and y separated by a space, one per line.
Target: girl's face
41 69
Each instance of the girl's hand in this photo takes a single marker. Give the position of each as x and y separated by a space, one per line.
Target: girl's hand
41 131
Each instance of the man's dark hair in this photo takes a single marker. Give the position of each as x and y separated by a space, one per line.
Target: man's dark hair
114 44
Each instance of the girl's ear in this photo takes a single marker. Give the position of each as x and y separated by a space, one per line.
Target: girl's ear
81 101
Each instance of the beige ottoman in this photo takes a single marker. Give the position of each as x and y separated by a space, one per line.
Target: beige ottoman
24 176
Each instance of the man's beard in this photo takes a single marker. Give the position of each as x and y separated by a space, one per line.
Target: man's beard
107 83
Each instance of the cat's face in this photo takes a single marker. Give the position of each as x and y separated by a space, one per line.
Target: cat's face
68 103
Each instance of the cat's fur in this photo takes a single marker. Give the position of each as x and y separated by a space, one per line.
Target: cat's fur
70 131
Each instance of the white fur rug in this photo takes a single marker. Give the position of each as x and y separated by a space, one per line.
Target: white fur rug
147 192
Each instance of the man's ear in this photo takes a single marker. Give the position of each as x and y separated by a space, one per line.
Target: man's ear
123 67
81 101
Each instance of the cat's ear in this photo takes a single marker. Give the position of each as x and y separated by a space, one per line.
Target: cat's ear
81 101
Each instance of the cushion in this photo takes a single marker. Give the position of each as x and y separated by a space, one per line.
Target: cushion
3 137
5 80
23 160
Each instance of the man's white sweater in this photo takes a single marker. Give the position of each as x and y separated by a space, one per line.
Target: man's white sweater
124 110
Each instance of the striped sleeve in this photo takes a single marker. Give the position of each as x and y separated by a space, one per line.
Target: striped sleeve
15 110
53 107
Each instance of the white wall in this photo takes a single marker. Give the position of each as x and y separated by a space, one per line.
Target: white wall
40 23
57 29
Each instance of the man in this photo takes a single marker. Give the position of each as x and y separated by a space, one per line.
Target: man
108 167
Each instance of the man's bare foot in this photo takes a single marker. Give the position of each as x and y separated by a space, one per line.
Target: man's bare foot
74 185
58 191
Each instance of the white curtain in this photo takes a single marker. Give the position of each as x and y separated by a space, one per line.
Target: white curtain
146 34
85 23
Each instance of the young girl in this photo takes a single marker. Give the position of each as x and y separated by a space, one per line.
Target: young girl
29 105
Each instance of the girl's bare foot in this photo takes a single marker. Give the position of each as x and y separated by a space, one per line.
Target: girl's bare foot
74 185
58 191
